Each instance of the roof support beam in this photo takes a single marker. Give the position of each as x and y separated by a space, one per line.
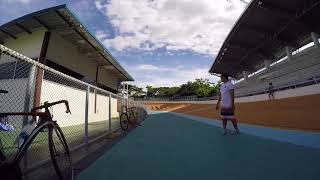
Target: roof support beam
289 52
315 38
108 67
23 28
40 72
245 75
7 33
95 51
64 28
40 22
267 64
70 25
77 31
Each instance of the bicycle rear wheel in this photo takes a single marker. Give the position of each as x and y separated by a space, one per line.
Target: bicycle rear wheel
60 154
124 121
132 116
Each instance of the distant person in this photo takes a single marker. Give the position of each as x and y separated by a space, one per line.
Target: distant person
226 97
271 91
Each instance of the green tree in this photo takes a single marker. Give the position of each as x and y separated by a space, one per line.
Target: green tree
151 91
198 87
135 91
167 91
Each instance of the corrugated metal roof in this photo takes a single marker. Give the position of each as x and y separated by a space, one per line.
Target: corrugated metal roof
61 20
262 32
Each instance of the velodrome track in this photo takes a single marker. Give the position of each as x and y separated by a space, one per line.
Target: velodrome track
168 146
279 140
297 113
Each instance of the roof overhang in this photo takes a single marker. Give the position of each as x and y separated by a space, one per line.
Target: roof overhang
61 20
263 31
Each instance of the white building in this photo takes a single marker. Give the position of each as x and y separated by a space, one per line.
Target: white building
56 37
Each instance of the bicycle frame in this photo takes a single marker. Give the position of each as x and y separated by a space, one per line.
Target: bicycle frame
45 119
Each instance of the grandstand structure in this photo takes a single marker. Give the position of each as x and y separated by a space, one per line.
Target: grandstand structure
272 42
302 70
283 49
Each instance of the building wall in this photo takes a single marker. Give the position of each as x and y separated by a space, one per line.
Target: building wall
14 100
54 92
64 53
28 45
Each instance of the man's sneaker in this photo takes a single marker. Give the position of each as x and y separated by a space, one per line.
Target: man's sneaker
236 132
224 133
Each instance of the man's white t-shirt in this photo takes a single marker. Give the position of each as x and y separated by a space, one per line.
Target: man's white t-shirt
226 99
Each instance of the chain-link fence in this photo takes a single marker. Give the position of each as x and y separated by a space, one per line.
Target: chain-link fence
94 111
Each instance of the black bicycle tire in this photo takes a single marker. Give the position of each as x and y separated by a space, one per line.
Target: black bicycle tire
131 116
125 128
2 156
25 146
10 171
56 127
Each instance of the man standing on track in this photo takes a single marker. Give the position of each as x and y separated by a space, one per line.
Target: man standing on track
226 97
271 91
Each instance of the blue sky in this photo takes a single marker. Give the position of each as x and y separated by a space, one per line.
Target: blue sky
159 42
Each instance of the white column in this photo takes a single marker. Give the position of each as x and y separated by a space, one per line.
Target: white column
289 52
110 115
245 75
315 38
267 64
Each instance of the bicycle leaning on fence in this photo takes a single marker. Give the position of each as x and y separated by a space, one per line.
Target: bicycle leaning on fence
129 117
60 154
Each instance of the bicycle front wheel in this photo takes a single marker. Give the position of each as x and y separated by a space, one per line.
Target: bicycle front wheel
124 121
60 154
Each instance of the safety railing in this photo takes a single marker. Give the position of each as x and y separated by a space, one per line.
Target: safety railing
180 98
94 111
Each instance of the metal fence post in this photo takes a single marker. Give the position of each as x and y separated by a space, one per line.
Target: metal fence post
86 118
110 117
27 104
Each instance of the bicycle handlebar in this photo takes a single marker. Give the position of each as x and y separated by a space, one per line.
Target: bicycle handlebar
47 105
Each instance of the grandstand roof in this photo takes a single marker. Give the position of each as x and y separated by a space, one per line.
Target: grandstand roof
262 32
61 20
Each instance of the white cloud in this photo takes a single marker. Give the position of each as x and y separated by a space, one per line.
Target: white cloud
200 26
19 1
24 1
149 67
101 35
147 74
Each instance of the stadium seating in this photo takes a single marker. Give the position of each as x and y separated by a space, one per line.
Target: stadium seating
303 67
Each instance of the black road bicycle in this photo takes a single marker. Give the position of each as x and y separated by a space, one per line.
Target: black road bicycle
128 117
58 147
132 116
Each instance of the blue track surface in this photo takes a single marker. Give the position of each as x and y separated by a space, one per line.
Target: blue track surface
171 147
